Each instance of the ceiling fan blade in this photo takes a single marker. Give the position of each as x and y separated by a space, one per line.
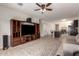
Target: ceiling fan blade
38 4
48 4
48 9
36 9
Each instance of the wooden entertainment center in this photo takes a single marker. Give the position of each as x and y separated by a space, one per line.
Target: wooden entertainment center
17 38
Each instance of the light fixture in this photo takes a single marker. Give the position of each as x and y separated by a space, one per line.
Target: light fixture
44 7
63 20
42 10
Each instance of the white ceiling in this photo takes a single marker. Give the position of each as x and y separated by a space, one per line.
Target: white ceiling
60 10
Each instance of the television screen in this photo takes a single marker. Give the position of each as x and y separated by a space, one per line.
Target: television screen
27 29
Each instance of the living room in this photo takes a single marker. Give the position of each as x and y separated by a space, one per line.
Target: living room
49 22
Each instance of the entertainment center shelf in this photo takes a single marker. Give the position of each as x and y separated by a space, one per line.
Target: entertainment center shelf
23 32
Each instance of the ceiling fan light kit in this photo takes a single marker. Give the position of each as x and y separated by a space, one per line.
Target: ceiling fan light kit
43 7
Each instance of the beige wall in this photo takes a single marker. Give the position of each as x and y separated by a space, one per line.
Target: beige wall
50 26
63 23
46 27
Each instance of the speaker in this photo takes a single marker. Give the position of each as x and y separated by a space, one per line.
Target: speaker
29 20
75 23
57 34
5 42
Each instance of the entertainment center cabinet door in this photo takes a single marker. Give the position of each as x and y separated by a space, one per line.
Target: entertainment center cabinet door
33 37
29 38
37 31
16 41
23 39
15 32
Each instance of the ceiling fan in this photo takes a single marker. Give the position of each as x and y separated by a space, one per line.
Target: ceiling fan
43 7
